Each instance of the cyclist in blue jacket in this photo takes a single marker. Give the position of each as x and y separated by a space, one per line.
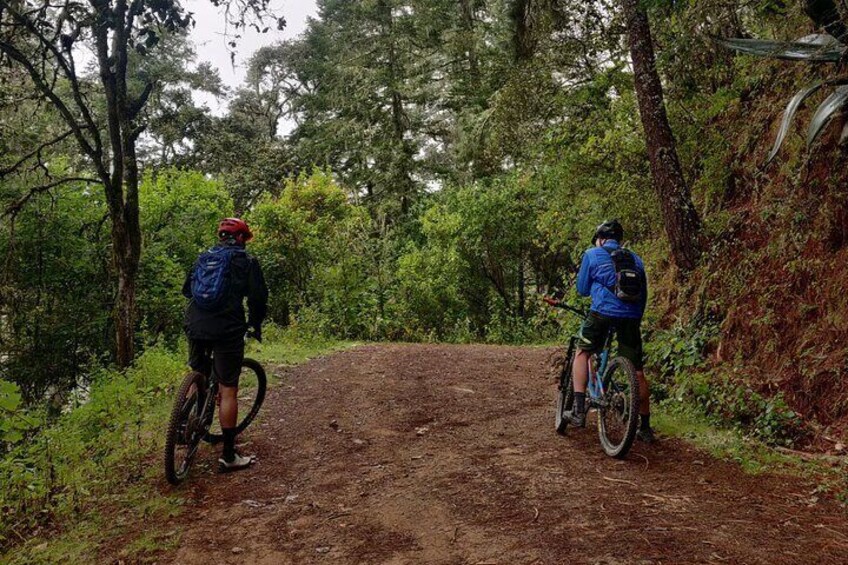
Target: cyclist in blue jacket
597 279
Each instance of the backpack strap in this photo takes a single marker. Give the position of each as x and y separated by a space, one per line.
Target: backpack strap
612 288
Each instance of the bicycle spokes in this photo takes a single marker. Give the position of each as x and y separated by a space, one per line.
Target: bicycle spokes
186 428
617 411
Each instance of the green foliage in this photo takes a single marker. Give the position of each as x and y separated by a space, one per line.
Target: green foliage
679 350
58 270
729 402
753 455
313 246
429 278
678 355
56 292
480 263
15 421
68 468
291 346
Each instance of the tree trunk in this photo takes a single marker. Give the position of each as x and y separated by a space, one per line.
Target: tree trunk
403 153
682 224
523 13
126 251
470 41
522 291
121 183
125 320
403 179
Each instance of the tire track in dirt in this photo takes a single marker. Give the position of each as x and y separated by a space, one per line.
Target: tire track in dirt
446 454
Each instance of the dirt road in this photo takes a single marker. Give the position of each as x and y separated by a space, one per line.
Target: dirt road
446 454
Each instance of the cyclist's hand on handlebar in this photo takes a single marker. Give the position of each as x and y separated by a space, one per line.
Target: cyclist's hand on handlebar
255 333
551 301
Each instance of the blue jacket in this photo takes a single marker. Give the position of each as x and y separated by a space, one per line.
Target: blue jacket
597 279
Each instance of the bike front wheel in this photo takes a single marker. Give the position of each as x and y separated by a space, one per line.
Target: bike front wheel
565 395
185 428
618 411
253 384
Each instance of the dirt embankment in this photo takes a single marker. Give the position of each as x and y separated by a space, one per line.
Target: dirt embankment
446 454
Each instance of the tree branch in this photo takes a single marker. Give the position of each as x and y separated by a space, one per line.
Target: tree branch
15 207
33 153
64 65
135 106
48 93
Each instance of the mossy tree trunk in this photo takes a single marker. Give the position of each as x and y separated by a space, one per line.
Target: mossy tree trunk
682 223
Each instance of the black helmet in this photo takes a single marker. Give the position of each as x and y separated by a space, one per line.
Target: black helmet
608 230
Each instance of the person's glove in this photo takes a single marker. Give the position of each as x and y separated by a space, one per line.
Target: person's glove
255 333
550 301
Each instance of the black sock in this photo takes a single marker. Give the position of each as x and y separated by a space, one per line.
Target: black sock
579 402
229 443
645 422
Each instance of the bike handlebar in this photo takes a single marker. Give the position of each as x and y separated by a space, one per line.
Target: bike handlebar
558 304
578 311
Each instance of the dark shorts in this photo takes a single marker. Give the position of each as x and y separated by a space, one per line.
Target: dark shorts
594 330
228 356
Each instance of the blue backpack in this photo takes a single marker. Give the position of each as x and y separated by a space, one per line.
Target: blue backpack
210 280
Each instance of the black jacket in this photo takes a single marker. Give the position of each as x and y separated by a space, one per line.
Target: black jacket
228 322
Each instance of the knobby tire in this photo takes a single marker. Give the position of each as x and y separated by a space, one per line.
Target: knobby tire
173 474
619 450
565 395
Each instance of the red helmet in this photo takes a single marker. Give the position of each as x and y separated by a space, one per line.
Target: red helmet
234 228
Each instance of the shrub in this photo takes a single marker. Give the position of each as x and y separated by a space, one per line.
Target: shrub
66 468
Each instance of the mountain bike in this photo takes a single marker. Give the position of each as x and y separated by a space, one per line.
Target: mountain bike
612 391
193 415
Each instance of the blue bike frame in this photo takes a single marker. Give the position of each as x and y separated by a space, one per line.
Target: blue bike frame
595 386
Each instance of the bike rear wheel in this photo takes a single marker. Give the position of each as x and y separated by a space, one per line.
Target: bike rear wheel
186 428
253 384
618 411
565 395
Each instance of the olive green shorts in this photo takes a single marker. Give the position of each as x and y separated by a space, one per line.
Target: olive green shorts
594 330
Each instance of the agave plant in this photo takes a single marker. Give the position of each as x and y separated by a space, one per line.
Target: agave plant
819 47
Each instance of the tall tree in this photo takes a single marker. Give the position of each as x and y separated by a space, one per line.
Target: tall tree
364 110
682 224
102 114
173 116
271 85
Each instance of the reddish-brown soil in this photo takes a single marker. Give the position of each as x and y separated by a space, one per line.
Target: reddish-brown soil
447 454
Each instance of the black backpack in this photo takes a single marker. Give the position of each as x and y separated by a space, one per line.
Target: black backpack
629 280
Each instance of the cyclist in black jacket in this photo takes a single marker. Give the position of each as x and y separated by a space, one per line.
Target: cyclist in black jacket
221 331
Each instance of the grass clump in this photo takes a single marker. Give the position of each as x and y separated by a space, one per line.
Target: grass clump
292 346
752 454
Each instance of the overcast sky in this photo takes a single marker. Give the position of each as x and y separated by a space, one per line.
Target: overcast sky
208 36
